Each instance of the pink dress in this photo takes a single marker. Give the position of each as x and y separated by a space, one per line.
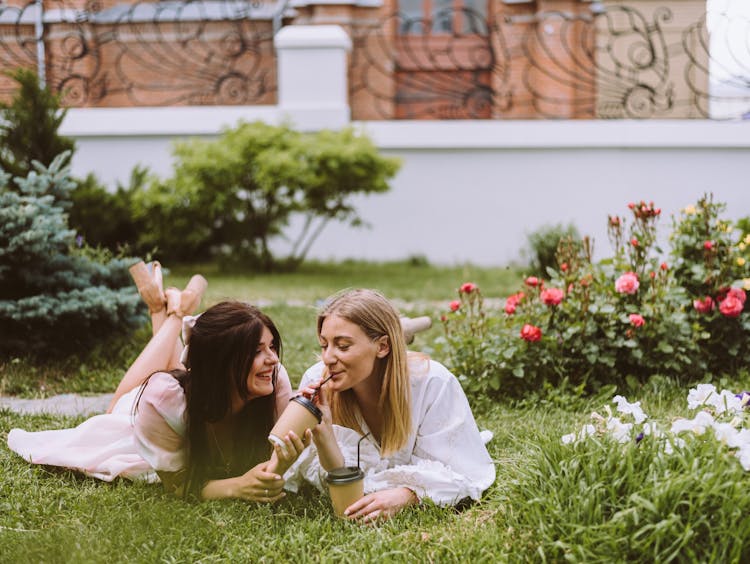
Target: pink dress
121 443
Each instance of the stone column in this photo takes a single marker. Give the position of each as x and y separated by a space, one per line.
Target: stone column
312 75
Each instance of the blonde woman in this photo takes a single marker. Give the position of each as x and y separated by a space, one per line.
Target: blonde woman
420 438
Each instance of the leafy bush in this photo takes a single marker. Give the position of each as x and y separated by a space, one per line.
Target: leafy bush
618 321
105 219
230 198
543 244
28 129
53 297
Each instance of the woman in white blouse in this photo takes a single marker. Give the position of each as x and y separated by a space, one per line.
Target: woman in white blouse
199 423
421 439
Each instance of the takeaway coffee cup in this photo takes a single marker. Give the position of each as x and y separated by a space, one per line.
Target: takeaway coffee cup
300 415
345 485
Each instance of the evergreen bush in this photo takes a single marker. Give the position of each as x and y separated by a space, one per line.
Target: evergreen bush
53 297
28 128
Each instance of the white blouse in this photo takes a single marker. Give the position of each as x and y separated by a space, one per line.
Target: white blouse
444 459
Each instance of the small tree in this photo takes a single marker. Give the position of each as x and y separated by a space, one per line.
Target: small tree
29 125
232 196
54 298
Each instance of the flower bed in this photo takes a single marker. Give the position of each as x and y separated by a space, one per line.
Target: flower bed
620 320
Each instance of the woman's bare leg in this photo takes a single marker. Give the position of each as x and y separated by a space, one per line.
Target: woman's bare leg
154 357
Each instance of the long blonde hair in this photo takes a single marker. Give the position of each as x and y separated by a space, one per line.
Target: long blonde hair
377 317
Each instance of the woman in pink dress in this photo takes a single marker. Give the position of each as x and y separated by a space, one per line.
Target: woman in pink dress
196 419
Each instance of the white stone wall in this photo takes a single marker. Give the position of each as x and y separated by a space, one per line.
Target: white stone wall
468 191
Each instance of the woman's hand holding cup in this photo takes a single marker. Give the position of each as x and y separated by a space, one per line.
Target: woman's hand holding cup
287 451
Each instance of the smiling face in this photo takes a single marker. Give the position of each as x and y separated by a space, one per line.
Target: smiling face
260 378
348 353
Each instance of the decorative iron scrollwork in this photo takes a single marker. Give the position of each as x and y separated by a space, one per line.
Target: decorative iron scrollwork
149 53
606 61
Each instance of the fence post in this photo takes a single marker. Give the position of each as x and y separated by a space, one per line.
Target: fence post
312 75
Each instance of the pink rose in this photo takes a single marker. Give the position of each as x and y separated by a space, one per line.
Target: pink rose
634 242
551 296
564 267
454 305
627 283
652 274
636 320
731 306
512 302
468 288
708 245
531 333
738 293
532 281
706 305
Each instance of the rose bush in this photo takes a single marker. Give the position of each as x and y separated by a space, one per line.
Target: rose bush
616 321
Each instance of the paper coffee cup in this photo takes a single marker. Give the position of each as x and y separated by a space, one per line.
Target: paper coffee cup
345 485
300 415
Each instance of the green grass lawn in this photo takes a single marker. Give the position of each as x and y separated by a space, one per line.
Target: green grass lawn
595 502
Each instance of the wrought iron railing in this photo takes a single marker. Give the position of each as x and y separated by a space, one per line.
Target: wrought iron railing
608 60
106 53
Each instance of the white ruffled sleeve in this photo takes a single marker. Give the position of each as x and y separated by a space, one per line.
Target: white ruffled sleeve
160 423
448 460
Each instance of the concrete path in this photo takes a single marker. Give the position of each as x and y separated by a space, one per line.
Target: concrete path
64 404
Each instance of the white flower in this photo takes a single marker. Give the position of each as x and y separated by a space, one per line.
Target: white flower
622 432
586 431
698 396
725 401
633 409
726 433
744 455
698 425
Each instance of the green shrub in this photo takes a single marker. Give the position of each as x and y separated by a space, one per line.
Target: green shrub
28 128
54 298
543 244
105 219
619 321
232 197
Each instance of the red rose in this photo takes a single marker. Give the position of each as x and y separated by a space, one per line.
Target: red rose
467 288
664 266
512 302
731 306
636 320
443 318
531 333
708 245
652 274
454 305
627 283
706 305
634 242
564 267
657 211
551 296
631 205
531 281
